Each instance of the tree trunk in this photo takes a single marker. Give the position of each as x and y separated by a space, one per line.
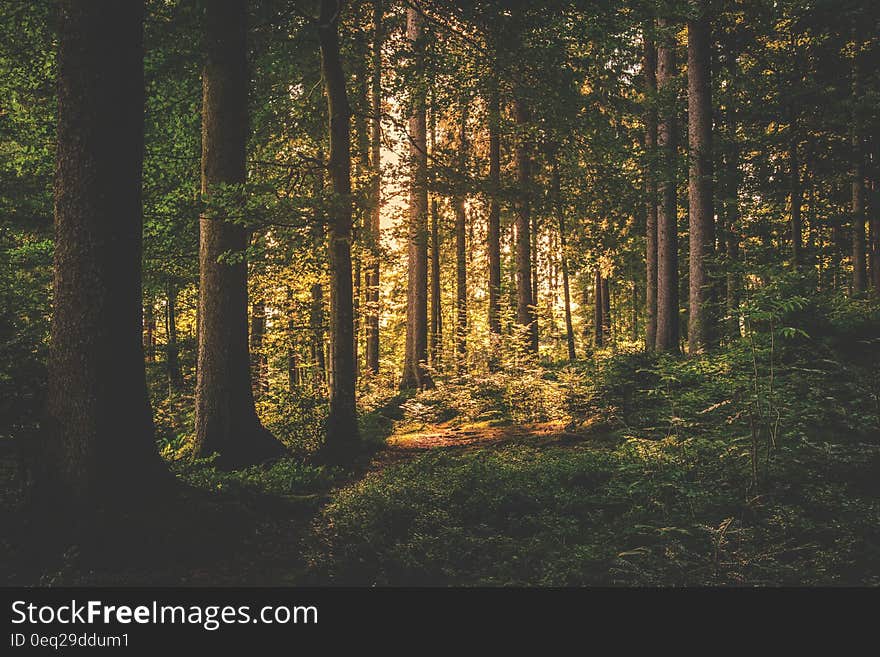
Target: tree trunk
606 310
435 354
461 248
149 329
859 280
226 421
731 195
796 197
525 308
598 312
494 227
372 282
316 293
342 429
414 373
97 449
701 212
172 355
667 223
259 383
566 292
650 70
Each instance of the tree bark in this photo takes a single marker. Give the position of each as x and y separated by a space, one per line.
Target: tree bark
667 221
414 373
859 280
226 421
606 310
526 316
494 220
316 293
461 248
342 429
700 210
259 382
372 277
563 260
172 355
598 312
149 329
650 70
97 448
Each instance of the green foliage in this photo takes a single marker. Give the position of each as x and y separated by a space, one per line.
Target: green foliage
643 513
286 477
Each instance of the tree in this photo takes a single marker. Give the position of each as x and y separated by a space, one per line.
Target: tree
372 279
461 292
97 449
649 68
494 219
700 208
342 429
226 421
859 279
563 260
526 315
414 373
667 221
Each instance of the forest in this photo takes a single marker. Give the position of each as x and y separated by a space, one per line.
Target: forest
440 292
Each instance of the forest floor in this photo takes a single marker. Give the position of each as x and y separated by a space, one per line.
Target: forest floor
446 497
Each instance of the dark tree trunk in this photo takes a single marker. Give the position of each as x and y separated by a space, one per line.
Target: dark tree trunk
461 249
316 293
796 199
414 373
701 212
731 180
149 329
259 382
97 448
635 312
667 224
650 71
226 421
598 312
566 292
874 232
494 227
606 310
372 278
435 354
859 280
172 355
342 429
526 316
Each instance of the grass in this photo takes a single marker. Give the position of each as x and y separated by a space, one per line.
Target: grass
641 512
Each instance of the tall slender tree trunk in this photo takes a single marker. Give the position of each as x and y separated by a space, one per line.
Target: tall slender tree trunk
172 354
874 232
598 312
701 212
859 280
316 293
342 429
796 198
97 448
606 310
563 260
372 282
650 71
414 373
731 180
258 358
149 329
226 421
494 220
526 316
435 348
667 222
461 248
